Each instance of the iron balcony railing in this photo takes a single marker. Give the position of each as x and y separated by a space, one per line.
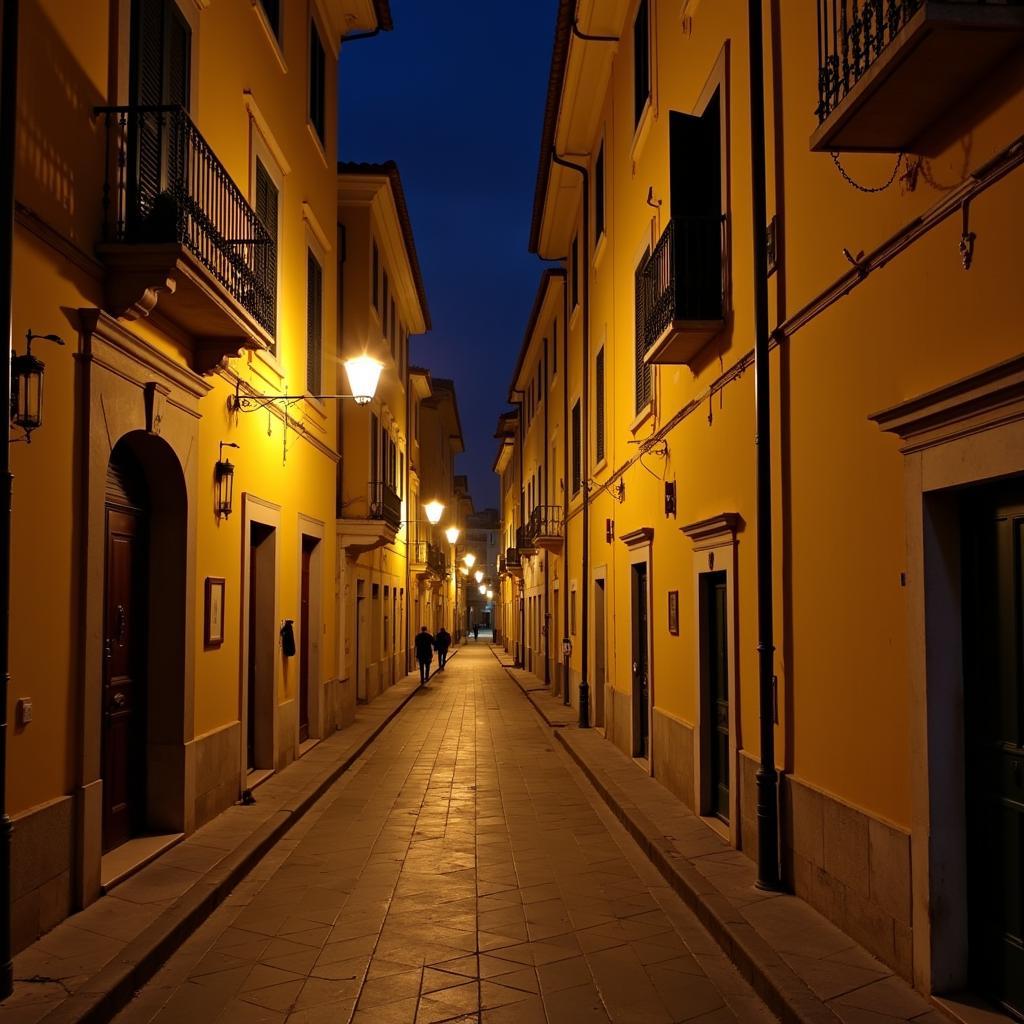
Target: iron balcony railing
164 184
545 522
853 34
422 552
683 277
524 539
513 559
385 504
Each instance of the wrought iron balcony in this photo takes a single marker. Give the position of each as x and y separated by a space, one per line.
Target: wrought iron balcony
385 504
889 69
524 540
178 230
426 558
680 290
514 562
546 528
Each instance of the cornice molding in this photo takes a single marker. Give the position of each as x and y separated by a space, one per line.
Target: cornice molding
637 538
714 531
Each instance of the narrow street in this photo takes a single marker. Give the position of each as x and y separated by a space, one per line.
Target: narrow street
462 871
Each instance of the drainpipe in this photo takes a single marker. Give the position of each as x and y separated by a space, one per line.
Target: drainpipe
768 873
521 647
585 438
8 123
565 489
547 554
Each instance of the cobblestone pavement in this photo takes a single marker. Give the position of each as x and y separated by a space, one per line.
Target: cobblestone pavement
462 871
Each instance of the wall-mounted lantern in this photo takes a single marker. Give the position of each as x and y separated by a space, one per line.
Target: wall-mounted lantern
490 595
27 385
433 510
470 559
363 376
224 474
482 588
452 533
566 647
479 575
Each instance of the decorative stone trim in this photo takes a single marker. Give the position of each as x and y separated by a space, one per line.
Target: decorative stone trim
714 532
637 538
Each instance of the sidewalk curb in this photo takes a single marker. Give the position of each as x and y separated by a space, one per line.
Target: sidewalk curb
112 988
768 974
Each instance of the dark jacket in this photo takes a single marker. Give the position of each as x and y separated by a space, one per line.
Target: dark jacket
443 640
424 647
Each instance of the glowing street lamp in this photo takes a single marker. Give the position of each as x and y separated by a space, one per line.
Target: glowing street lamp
470 559
479 575
463 570
483 588
363 377
490 595
433 510
452 533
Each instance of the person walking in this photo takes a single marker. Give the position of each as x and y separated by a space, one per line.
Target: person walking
424 652
476 631
442 641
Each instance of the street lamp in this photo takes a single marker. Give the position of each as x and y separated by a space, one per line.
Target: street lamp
363 377
490 595
452 533
479 575
483 588
433 510
470 559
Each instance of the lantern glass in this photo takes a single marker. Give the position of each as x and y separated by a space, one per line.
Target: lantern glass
470 559
433 510
225 488
363 377
483 589
479 575
27 392
452 533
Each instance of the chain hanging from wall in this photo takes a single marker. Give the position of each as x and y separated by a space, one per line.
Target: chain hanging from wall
869 189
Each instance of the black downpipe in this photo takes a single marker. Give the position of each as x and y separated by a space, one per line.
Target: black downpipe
547 554
585 439
565 489
768 872
521 647
8 138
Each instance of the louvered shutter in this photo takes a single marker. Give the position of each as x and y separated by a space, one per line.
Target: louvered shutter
266 253
599 407
642 370
147 90
576 456
314 324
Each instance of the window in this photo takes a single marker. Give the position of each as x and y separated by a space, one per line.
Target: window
272 9
317 83
641 61
574 292
374 440
642 370
375 286
392 332
576 466
314 323
266 214
384 305
599 406
572 612
599 194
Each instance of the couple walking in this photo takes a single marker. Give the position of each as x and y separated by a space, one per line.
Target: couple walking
425 647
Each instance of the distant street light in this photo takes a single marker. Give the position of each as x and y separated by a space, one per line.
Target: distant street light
479 575
433 510
483 588
469 558
452 533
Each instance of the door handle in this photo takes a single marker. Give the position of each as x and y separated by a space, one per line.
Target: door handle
119 700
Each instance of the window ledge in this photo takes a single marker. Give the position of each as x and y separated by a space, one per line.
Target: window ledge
316 405
602 244
318 144
268 30
600 466
646 413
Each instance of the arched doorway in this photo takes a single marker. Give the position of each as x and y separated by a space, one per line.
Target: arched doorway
144 641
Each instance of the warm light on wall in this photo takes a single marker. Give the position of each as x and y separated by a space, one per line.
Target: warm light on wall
433 510
452 533
363 377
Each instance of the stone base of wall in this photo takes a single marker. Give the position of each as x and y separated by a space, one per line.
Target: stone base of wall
218 757
852 867
618 718
41 853
672 749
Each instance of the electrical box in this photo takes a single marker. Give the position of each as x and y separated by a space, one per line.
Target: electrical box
23 710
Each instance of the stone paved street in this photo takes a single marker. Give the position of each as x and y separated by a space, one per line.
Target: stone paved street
461 872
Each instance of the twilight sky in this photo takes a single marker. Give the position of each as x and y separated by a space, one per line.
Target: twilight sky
456 96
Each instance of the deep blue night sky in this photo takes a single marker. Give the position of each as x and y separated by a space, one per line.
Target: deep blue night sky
456 96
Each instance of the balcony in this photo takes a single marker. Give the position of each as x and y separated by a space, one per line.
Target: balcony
524 541
546 528
385 504
888 69
680 290
514 562
426 559
179 232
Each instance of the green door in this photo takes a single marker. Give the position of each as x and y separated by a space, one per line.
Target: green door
994 717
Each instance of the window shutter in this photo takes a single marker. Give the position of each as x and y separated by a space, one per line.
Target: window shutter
266 214
642 370
599 407
641 61
576 469
376 277
314 323
374 441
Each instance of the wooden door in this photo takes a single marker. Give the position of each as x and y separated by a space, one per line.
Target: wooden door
715 655
124 718
308 544
251 687
599 656
994 718
641 698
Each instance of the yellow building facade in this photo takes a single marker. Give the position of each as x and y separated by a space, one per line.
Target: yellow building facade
896 430
177 214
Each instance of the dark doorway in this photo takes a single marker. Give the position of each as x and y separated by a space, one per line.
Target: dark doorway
641 674
714 660
305 636
360 641
124 731
260 683
599 658
993 603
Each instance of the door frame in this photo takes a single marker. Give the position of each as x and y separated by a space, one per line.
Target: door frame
640 548
259 511
316 530
970 431
598 695
714 550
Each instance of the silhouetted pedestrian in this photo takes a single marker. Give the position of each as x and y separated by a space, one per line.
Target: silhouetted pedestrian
442 641
424 652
